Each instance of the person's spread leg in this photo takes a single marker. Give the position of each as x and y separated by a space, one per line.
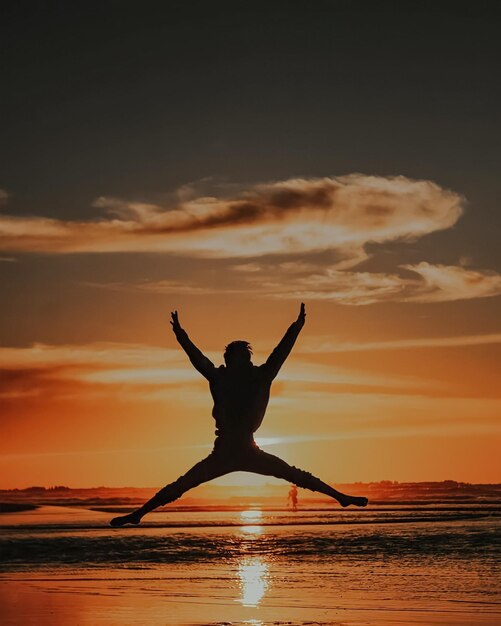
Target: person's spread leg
211 467
270 465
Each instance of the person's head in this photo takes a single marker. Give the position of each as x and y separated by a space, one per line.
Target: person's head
237 353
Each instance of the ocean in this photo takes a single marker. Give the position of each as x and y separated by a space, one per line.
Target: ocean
386 564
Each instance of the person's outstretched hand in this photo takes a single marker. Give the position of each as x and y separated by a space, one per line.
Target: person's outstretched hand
175 321
302 314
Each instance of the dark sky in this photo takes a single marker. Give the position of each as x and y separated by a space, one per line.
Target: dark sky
133 99
137 98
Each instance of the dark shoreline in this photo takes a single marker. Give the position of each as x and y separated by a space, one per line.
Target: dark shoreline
16 507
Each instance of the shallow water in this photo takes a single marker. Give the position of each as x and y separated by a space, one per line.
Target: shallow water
381 565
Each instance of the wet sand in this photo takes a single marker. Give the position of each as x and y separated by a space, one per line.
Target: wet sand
65 566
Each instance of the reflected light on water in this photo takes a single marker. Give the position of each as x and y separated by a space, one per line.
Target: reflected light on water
251 515
251 518
253 573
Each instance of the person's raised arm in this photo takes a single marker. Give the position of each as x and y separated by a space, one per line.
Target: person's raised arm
199 361
282 351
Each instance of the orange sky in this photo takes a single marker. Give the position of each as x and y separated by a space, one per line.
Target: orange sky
353 401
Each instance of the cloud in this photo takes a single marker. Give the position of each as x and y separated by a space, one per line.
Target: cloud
309 282
93 354
376 408
426 283
326 345
296 216
441 283
383 430
309 217
46 369
159 286
334 285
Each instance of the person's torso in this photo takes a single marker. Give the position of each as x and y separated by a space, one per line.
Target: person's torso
240 400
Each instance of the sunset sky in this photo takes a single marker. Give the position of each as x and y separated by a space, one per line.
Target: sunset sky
230 160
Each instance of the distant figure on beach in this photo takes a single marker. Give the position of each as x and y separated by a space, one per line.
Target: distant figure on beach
241 391
292 497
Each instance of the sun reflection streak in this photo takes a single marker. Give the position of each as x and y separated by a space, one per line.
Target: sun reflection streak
251 517
253 573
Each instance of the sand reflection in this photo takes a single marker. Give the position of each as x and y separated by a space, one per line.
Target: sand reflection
253 573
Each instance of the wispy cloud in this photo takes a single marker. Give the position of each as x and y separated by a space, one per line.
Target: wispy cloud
351 411
301 281
329 283
423 282
426 283
326 344
341 214
441 283
97 354
434 283
159 286
45 369
41 368
337 215
383 430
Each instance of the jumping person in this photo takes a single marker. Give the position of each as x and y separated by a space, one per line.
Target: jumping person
241 391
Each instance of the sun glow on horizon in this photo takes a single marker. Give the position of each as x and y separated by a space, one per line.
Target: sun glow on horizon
251 517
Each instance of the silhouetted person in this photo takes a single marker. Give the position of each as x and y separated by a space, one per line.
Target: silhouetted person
241 391
292 497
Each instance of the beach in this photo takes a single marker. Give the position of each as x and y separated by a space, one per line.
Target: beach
387 564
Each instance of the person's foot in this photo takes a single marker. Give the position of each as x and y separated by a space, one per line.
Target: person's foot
130 518
353 500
